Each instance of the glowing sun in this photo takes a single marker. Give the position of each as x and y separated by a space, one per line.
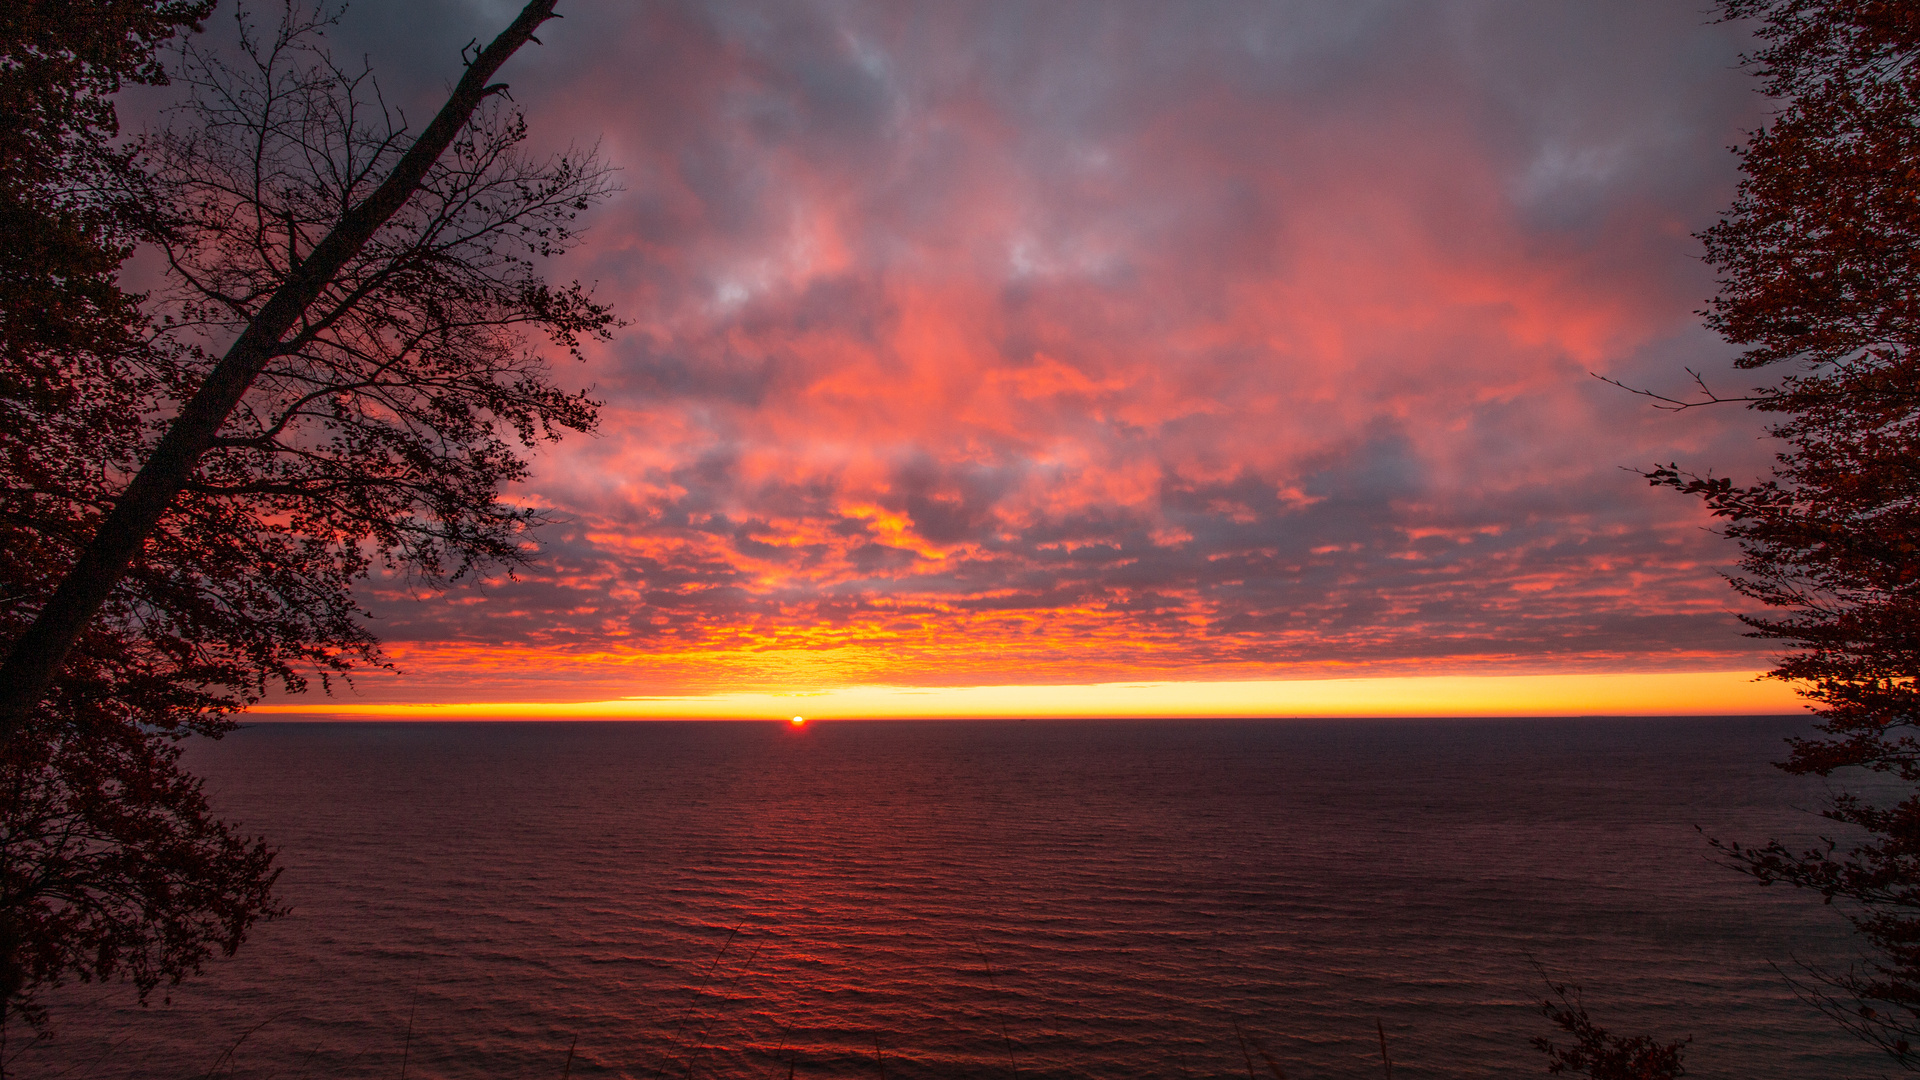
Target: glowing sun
797 721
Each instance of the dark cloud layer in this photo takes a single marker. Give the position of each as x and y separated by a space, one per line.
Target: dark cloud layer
1000 342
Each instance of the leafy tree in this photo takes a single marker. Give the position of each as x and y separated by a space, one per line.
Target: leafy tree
334 372
73 380
100 831
366 291
1820 264
113 865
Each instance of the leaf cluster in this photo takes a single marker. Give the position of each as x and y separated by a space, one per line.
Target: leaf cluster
114 867
64 179
1597 1052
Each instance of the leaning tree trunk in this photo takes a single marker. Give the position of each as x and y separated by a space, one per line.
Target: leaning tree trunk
37 656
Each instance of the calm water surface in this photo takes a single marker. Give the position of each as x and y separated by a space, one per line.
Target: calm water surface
987 899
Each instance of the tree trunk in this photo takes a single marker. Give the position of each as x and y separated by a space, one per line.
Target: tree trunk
37 656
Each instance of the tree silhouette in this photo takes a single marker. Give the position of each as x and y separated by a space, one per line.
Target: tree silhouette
63 179
370 295
1820 264
335 373
1597 1052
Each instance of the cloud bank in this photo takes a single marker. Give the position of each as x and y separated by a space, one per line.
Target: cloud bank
986 343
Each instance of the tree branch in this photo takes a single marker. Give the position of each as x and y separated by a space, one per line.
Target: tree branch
37 656
1667 404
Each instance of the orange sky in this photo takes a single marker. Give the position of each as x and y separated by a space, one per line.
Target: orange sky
1657 694
988 345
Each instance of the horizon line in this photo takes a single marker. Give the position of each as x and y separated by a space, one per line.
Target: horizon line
1670 693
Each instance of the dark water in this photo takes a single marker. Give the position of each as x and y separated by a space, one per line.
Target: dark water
1063 899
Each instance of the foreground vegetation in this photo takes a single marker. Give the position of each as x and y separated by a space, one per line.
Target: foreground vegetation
333 376
1820 264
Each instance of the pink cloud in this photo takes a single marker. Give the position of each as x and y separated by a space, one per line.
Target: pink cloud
975 342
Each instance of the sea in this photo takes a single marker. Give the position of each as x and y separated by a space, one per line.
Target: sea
1207 898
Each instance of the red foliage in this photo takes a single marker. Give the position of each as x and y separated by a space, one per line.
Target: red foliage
382 426
1820 256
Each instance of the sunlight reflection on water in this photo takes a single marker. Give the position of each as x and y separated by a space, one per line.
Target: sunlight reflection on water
1066 899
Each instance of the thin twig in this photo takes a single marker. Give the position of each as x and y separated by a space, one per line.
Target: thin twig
785 1035
680 1028
227 1057
1278 1072
1667 404
700 1040
995 987
406 1048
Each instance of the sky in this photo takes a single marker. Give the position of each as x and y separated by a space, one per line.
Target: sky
1117 345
